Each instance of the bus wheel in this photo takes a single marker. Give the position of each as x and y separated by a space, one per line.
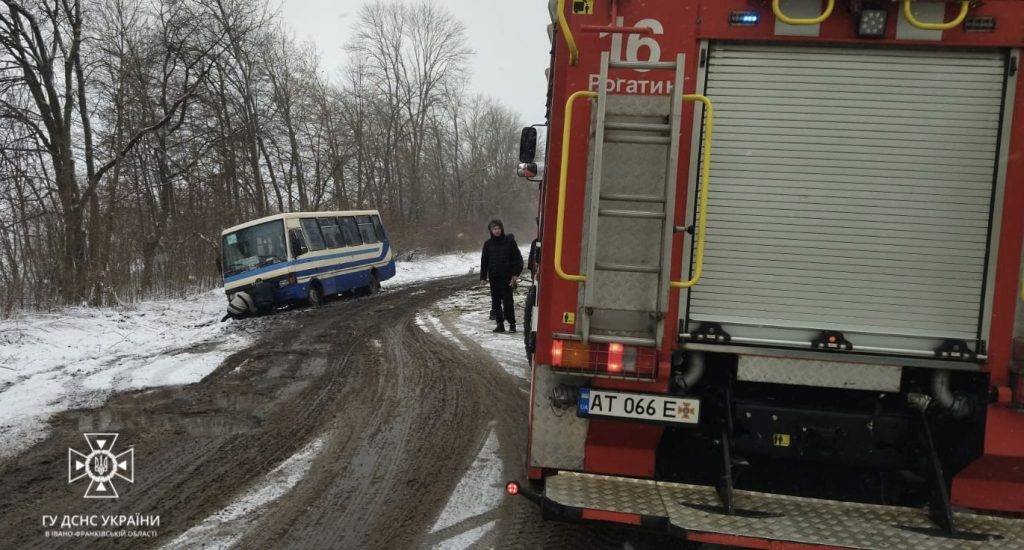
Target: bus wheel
316 295
374 286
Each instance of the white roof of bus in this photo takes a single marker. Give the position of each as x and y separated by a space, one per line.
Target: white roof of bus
292 215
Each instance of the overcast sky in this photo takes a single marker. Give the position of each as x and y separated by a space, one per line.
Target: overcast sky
509 40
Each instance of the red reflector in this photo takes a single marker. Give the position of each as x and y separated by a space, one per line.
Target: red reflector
512 488
614 357
556 353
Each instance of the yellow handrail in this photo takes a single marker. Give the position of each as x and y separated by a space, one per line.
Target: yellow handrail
563 176
965 5
705 177
574 52
781 16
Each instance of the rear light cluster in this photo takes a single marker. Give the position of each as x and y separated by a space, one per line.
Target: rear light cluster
608 359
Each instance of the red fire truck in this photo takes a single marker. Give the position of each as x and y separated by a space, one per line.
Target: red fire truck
778 301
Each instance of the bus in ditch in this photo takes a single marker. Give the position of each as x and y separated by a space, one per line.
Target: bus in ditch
303 257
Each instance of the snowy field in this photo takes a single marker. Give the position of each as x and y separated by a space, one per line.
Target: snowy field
51 362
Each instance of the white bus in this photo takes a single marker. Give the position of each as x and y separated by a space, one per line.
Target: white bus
306 256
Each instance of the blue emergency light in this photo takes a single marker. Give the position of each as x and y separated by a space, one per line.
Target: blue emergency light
744 18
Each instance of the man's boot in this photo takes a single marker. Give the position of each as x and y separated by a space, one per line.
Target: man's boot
511 327
500 327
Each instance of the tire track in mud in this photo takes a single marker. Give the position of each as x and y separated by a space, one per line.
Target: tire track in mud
402 413
197 446
520 524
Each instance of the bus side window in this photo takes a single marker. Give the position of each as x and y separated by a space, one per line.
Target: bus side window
379 228
351 231
313 235
298 242
366 229
332 233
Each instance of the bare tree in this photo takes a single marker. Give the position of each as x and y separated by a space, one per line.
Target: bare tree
132 132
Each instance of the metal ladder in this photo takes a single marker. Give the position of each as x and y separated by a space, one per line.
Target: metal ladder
631 197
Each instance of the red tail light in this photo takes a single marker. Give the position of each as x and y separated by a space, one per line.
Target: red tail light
556 353
614 357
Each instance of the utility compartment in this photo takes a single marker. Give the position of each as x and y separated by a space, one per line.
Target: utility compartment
851 203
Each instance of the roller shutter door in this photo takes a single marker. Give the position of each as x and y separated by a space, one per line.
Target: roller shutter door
851 191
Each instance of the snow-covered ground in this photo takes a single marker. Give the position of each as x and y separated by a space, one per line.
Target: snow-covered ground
434 267
469 311
50 362
424 268
78 357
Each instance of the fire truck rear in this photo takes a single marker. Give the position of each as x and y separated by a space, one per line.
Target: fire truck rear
779 292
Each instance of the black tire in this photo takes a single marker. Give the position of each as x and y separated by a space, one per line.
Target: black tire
529 335
316 295
371 288
374 286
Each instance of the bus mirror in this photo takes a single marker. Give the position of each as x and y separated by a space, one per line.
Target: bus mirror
528 145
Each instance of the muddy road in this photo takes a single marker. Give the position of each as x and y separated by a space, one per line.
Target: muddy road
382 416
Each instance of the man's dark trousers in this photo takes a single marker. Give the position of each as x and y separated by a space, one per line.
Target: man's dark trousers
501 299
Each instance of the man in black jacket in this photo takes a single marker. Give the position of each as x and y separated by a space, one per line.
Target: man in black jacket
501 263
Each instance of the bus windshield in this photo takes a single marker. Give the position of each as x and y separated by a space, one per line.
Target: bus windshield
254 247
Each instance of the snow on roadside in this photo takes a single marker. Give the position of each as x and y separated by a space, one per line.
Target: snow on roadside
434 267
439 267
78 357
227 526
478 493
470 311
50 362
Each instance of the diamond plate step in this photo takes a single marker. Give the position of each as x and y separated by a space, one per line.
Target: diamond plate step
780 517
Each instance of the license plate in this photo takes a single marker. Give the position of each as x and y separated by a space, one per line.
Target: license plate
638 406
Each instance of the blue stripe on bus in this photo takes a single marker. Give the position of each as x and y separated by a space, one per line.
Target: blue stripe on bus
343 265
